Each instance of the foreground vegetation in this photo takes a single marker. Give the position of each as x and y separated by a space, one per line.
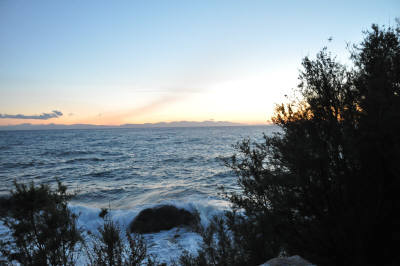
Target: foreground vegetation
325 188
44 232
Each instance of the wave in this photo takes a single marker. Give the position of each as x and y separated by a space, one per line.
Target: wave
207 208
77 160
22 164
101 173
196 159
189 140
59 153
110 153
166 245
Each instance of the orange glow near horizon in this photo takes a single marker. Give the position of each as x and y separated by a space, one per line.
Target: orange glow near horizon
114 121
247 99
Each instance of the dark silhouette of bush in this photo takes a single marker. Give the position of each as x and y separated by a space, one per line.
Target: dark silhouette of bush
111 249
43 229
217 247
326 187
226 241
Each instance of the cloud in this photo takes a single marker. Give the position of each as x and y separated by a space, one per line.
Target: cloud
43 116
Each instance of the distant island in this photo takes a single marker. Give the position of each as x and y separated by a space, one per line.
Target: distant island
208 123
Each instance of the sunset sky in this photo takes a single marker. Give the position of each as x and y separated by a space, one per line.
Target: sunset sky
117 62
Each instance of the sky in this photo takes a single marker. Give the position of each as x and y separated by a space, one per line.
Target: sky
117 62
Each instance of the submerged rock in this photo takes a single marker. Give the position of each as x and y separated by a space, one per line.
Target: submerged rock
288 261
162 217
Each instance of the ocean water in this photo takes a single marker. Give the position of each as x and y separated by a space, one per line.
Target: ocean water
127 170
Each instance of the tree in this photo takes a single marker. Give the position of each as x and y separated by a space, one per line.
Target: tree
328 183
326 186
43 229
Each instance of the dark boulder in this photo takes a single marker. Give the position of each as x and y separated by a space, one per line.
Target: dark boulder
288 261
162 217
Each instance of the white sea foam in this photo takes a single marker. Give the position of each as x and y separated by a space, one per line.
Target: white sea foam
165 245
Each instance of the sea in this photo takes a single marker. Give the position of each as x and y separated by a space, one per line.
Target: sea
127 170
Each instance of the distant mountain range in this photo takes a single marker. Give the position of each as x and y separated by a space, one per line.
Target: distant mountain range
209 123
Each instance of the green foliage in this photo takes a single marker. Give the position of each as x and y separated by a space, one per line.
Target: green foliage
109 248
326 187
43 230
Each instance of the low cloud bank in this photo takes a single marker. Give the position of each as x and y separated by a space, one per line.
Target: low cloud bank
43 116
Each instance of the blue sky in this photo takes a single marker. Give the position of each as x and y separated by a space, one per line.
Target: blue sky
114 62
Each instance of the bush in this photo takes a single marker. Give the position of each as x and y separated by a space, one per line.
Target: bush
43 230
109 247
229 240
325 187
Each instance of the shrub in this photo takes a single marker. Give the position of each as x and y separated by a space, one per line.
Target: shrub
110 248
43 229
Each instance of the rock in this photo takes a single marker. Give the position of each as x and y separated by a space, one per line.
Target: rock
288 261
162 217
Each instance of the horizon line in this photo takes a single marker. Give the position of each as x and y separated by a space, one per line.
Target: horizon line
183 123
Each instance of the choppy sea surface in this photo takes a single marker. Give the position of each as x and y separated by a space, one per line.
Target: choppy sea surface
127 170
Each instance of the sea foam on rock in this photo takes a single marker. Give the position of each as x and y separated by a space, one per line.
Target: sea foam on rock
162 217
